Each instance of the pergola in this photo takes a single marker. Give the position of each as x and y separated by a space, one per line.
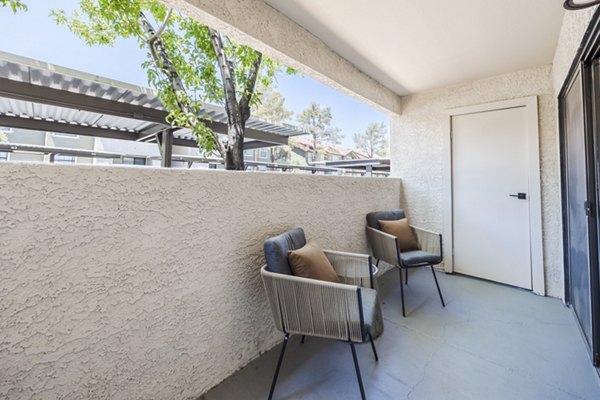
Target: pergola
39 96
369 166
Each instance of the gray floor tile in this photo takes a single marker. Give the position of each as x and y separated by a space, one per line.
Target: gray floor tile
490 342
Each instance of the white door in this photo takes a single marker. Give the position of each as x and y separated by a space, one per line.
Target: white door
490 167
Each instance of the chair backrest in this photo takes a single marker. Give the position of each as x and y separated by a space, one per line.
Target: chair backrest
384 246
276 250
391 215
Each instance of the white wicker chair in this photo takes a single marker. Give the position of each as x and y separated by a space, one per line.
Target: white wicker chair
308 307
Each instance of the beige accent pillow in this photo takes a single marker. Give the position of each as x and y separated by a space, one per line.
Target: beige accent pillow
310 262
402 230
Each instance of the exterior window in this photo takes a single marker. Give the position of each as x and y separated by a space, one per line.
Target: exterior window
62 159
3 156
65 135
264 153
134 161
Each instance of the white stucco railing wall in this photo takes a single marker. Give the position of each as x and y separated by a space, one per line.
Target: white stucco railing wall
137 283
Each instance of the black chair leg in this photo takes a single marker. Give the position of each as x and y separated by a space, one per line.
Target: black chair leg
438 286
402 293
302 340
377 263
406 277
360 383
373 347
285 341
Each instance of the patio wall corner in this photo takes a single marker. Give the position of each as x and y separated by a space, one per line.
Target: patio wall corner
418 152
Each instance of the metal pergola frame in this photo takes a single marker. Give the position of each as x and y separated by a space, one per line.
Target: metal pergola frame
36 96
370 166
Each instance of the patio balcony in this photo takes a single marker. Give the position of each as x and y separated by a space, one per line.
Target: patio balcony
143 283
129 283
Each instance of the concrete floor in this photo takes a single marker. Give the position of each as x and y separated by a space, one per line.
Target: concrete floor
490 342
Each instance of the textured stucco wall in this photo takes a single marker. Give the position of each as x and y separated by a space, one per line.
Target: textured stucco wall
571 32
142 283
417 152
257 24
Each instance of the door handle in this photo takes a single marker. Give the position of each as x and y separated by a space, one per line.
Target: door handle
520 196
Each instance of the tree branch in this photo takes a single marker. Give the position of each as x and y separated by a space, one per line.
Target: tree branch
161 28
162 60
231 103
249 89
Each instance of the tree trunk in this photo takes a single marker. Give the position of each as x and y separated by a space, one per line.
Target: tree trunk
234 153
237 112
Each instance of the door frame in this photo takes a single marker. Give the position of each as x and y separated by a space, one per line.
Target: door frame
535 193
587 53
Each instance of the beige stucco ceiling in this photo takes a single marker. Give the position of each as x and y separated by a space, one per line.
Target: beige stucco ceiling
416 45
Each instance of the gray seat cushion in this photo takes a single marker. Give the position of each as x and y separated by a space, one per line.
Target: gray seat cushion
419 257
276 250
391 215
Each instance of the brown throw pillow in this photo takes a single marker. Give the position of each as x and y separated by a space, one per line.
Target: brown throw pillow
402 230
310 262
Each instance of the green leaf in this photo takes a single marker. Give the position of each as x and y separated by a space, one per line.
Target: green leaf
185 44
15 5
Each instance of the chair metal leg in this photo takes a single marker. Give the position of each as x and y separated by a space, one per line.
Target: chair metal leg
360 383
377 263
373 347
406 277
285 341
402 293
302 340
438 286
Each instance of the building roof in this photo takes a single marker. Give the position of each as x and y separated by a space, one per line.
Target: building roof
41 96
306 144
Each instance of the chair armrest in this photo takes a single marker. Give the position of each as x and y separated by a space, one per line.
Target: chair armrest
352 268
428 240
384 246
316 308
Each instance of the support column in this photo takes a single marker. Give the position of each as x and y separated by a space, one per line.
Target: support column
165 144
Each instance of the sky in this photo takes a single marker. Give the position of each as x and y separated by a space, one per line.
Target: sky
35 35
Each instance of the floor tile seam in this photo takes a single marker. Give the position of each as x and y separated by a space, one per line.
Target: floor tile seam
512 369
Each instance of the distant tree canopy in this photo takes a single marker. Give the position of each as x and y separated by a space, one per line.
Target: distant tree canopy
188 64
3 137
316 120
271 106
373 140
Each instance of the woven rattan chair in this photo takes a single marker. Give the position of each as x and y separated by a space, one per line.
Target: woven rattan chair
387 248
308 307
